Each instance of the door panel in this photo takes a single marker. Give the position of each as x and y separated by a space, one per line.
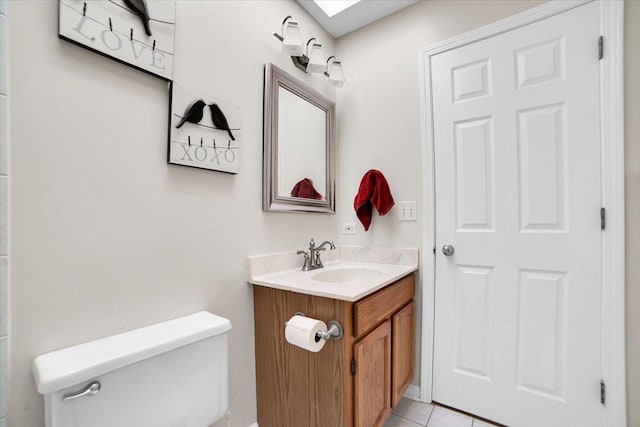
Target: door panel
473 153
541 330
517 155
473 351
542 166
541 62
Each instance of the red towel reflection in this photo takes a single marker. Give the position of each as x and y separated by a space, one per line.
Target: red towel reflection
304 189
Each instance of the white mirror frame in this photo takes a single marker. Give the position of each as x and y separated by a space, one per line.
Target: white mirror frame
274 79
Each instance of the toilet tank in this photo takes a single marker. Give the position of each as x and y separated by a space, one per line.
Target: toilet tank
171 374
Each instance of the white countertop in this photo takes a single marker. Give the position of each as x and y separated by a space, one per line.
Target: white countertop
378 275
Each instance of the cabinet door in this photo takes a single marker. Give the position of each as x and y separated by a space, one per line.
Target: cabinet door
372 384
402 353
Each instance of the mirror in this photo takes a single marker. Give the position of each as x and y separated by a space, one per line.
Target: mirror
299 146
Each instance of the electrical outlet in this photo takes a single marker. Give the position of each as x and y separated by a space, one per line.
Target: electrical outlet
348 228
407 211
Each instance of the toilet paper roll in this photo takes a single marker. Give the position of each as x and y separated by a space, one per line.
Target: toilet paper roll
301 331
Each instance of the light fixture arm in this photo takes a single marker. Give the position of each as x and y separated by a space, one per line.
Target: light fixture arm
301 62
326 72
307 46
284 22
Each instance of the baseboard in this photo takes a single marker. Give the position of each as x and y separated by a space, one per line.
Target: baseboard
413 392
254 425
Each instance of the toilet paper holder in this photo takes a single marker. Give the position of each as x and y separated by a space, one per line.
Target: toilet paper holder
334 330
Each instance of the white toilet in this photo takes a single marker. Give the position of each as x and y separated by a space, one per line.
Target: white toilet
172 374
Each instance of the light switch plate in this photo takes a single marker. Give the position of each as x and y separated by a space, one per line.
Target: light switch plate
407 211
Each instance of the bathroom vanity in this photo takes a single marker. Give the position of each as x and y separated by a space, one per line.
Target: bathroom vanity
352 381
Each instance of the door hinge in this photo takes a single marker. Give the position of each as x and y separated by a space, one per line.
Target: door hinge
603 218
353 366
600 47
434 250
603 391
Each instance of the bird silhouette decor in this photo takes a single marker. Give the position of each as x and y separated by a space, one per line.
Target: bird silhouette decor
219 119
217 130
139 33
139 7
194 113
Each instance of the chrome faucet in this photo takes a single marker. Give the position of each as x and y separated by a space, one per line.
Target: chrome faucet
312 259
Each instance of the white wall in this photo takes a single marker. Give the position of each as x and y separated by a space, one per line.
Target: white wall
106 235
379 110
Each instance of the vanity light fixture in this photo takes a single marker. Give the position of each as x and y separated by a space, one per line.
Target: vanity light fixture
291 39
334 72
311 60
315 63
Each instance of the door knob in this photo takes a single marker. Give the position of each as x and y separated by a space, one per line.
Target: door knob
448 250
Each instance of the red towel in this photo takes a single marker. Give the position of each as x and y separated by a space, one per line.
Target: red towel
373 191
304 189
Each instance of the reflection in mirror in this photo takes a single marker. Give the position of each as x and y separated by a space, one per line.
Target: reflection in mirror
299 146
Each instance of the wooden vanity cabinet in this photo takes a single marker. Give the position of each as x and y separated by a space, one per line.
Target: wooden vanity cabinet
351 382
402 333
372 387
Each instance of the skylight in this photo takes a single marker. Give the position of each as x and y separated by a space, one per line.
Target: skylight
333 7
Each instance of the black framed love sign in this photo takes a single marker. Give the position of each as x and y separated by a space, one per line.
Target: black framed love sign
139 33
204 130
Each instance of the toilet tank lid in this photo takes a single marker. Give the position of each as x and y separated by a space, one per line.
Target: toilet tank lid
74 365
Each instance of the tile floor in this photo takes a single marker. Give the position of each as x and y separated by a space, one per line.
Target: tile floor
409 413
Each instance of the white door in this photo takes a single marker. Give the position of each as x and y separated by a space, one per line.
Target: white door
517 155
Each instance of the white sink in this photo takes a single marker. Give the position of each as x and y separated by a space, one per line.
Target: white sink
339 279
343 275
